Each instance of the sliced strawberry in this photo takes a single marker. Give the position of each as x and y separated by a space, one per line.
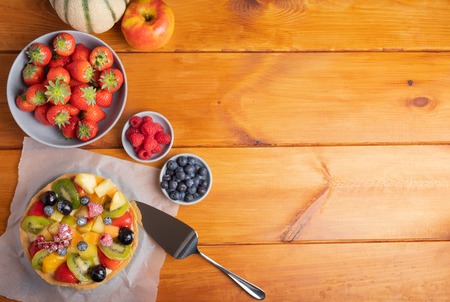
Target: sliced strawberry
58 92
111 79
58 74
83 96
64 44
68 130
64 274
39 54
40 113
86 130
23 104
94 113
104 98
101 58
35 94
58 115
37 209
106 262
126 220
81 71
34 248
81 52
32 74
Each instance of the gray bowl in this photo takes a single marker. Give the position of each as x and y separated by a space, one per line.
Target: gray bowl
50 135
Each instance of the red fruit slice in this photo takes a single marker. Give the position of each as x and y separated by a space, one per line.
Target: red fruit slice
106 262
37 209
63 274
126 220
34 248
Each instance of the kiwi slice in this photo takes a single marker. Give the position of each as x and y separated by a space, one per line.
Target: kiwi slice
116 251
37 259
115 213
79 267
35 224
66 190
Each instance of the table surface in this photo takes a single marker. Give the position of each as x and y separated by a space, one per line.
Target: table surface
326 125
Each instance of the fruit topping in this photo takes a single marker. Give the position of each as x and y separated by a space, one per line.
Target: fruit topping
37 209
49 210
64 274
105 240
37 259
98 273
49 198
78 266
126 236
85 200
65 189
116 251
35 224
64 206
126 220
81 221
107 220
82 246
95 209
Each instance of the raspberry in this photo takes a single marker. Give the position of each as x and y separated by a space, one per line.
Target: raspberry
157 149
147 118
159 127
64 231
163 138
144 154
149 129
94 209
130 131
149 144
136 139
105 240
136 121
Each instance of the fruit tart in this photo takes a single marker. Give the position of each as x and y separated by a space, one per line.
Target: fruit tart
79 231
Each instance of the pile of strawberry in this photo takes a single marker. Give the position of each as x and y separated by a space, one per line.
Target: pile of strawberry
146 136
69 85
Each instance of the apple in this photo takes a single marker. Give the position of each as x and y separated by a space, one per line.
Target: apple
147 24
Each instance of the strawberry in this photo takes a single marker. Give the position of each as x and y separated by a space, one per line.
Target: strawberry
81 71
37 209
39 54
94 113
23 104
83 96
144 154
106 262
104 98
94 209
40 113
64 274
73 83
72 109
58 74
163 138
32 74
58 92
124 221
64 44
86 130
35 94
95 78
68 130
58 115
111 79
149 129
136 139
81 52
101 58
59 61
136 121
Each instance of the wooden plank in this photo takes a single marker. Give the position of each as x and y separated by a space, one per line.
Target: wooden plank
244 25
282 99
260 195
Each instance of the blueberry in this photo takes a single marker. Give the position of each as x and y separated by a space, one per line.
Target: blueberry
174 195
182 161
204 183
191 160
171 165
164 184
192 189
82 246
166 177
179 169
49 198
98 273
64 206
107 220
48 210
170 172
189 182
181 195
201 190
180 175
84 200
173 185
81 221
126 236
202 171
197 167
62 251
196 180
189 169
196 195
181 187
189 198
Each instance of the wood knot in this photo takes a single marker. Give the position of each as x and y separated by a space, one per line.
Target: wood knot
422 102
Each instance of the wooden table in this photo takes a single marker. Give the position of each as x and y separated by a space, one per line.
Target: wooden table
326 125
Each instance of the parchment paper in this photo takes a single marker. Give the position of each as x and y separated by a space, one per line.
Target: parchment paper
39 165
